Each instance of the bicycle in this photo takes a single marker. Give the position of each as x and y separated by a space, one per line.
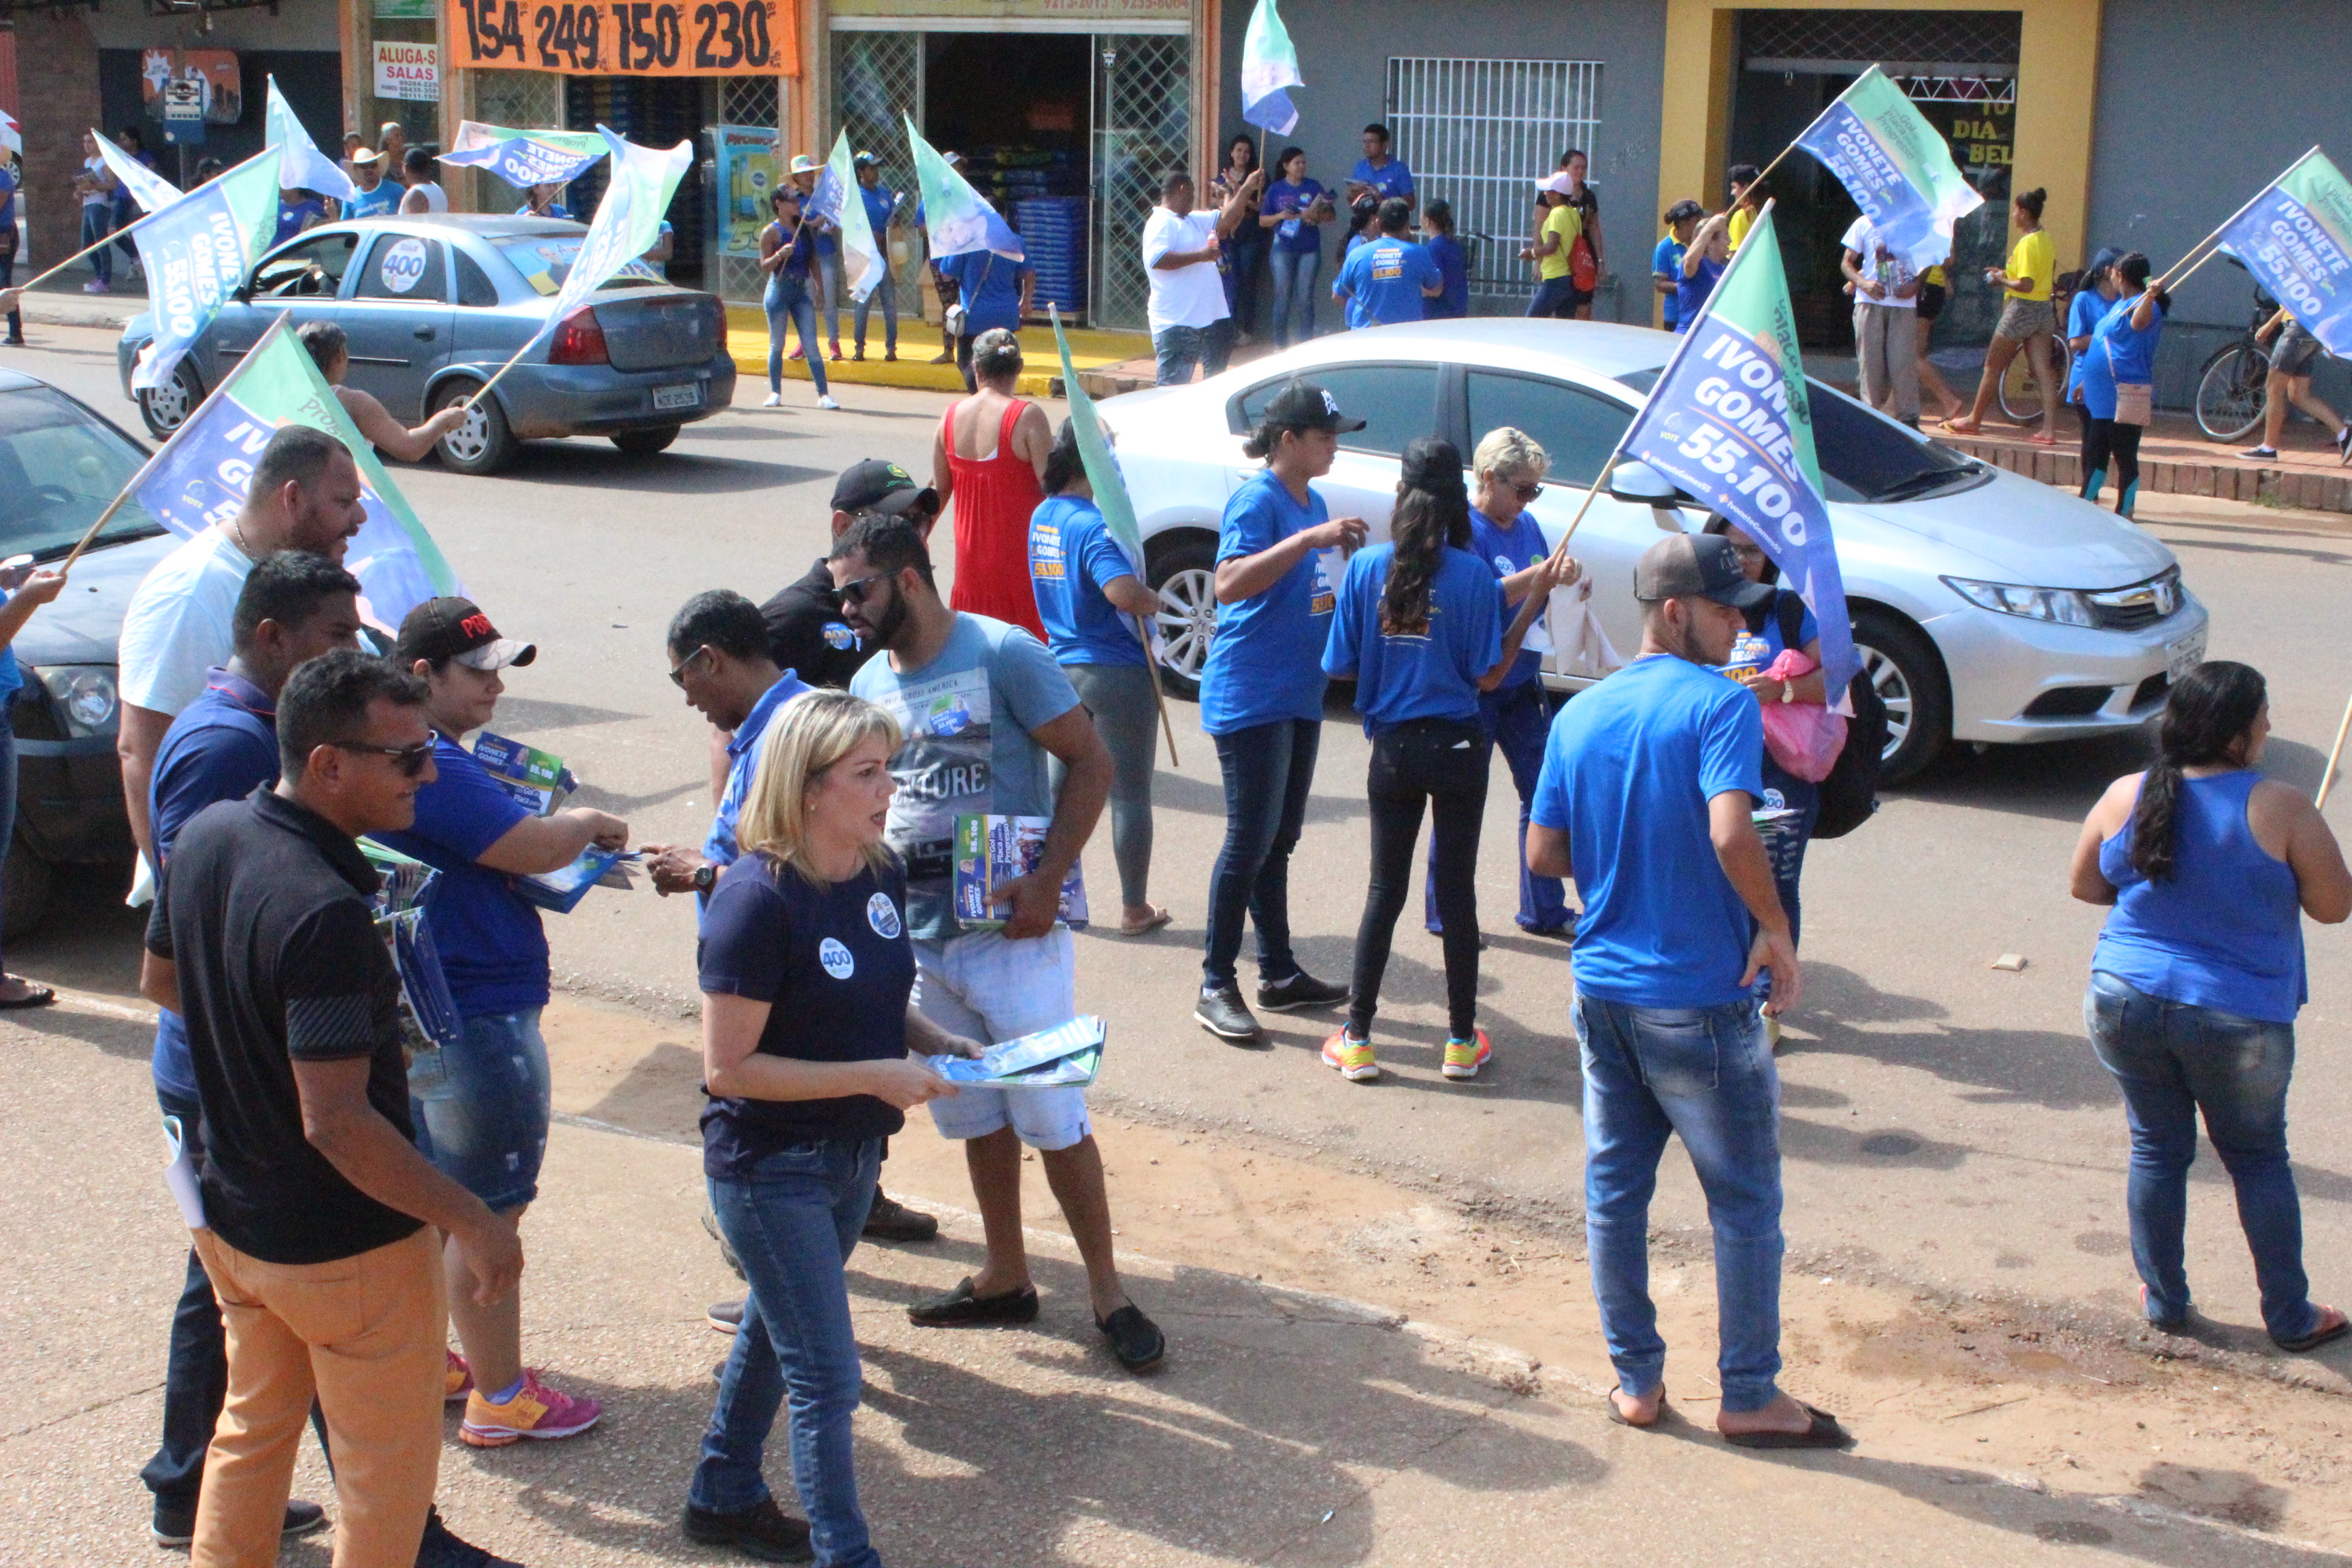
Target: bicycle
2021 394
2230 384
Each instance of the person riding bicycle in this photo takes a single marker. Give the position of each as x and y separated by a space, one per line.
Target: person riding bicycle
2289 381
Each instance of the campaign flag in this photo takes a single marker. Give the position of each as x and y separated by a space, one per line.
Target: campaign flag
627 223
1269 67
301 165
524 158
863 267
2297 239
202 474
958 217
1110 485
12 135
1729 422
1897 168
151 190
196 251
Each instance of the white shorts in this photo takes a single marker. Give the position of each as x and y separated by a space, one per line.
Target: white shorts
984 987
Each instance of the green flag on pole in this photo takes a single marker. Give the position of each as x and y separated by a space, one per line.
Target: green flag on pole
1102 469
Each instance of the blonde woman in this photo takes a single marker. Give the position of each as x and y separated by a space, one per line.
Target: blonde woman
805 974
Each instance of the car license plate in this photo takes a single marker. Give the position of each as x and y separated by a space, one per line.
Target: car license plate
689 395
2180 657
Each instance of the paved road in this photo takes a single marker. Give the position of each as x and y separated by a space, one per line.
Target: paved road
1945 1123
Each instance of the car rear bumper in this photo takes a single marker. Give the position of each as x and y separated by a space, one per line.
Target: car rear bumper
598 400
2019 680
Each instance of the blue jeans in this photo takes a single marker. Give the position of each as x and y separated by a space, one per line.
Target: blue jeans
828 265
1294 276
1706 1074
1244 263
1178 348
7 278
1784 846
2173 1061
788 298
1519 720
1554 297
793 1224
886 292
481 1110
97 223
1269 770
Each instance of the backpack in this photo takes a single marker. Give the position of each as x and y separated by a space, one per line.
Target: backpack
1582 270
1850 794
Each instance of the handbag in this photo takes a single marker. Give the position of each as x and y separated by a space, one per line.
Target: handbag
2134 403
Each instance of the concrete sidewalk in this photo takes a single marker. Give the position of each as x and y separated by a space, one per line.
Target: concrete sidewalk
1287 1427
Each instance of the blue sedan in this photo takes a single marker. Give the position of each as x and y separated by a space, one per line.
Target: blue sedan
432 305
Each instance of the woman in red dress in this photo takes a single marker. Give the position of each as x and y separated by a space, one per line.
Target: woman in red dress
988 461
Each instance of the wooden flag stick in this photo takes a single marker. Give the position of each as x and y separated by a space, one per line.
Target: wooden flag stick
1600 480
2166 282
1158 696
483 391
2334 755
103 518
77 255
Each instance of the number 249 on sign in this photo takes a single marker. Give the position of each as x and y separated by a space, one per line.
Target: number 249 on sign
637 38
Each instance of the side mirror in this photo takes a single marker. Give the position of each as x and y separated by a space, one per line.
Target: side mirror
1638 484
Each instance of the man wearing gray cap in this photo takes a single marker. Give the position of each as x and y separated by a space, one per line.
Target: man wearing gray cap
1648 783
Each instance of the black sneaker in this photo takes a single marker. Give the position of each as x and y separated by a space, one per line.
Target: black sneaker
960 1308
711 1228
1301 990
2260 452
763 1531
442 1549
726 1317
1220 1012
176 1526
2344 445
1134 1339
890 1220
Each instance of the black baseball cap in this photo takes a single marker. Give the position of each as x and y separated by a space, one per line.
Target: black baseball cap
876 485
1303 406
456 629
1695 566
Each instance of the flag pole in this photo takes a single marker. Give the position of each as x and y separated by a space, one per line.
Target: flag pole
2166 282
145 218
1159 697
2334 755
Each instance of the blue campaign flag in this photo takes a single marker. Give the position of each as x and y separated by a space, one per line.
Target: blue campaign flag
1896 167
2297 239
525 158
196 252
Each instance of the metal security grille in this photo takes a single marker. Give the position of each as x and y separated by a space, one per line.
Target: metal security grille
743 100
1480 133
527 101
876 79
1143 128
1902 43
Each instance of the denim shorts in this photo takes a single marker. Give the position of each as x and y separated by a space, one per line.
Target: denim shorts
482 1108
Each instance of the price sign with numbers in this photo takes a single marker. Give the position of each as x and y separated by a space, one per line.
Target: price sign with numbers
626 38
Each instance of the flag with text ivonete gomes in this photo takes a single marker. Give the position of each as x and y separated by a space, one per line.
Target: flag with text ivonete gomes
301 165
2297 239
837 200
196 251
1269 69
1729 423
1897 168
627 222
524 158
957 216
151 190
202 474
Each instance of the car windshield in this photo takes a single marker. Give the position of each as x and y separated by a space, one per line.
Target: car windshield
1863 457
545 261
59 469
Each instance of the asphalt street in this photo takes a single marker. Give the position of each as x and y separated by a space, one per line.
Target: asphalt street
1945 1123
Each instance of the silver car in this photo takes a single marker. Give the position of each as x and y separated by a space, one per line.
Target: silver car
433 305
1986 607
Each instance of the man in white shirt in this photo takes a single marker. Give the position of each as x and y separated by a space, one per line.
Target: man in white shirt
1885 321
304 495
1192 322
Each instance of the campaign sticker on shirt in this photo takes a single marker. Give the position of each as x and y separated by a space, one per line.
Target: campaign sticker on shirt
837 958
1330 567
883 916
839 637
403 266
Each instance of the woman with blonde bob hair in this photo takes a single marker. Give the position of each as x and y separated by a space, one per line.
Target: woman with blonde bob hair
806 975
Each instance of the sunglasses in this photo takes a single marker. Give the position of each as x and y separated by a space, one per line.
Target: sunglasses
1526 492
409 760
678 672
854 593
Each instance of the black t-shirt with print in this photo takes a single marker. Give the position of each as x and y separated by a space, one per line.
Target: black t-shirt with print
806 634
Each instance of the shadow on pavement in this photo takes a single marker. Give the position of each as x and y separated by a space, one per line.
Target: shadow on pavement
576 464
2050 1068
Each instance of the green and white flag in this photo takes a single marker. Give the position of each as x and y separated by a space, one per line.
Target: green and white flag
1897 168
1110 485
957 216
839 201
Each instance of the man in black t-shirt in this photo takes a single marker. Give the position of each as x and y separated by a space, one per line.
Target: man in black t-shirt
806 632
318 1214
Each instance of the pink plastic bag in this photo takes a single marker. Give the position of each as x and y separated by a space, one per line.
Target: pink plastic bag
1805 738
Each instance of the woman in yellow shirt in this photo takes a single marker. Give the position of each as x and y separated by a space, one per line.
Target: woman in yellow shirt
2027 320
1555 240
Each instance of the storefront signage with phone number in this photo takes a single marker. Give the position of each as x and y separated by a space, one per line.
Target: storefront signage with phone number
626 38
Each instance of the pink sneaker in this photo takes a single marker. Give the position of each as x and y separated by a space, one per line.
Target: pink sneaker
96 286
457 1378
796 353
535 1411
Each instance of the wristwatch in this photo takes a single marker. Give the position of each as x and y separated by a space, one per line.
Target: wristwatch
704 875
1788 694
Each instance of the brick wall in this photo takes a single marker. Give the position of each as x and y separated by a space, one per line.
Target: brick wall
56 82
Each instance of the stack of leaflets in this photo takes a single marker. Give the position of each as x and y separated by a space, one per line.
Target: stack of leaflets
992 850
1067 1056
543 784
428 1013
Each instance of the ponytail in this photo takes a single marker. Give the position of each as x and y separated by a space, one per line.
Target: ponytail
2205 723
1433 512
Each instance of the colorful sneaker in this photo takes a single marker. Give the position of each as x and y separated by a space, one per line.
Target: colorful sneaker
535 1411
1352 1057
457 1378
1464 1058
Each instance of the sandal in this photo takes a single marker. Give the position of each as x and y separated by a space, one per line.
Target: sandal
2332 1325
1609 1402
1823 1432
35 997
1151 922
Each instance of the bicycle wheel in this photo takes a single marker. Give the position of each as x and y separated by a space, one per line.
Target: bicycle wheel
2020 392
2229 392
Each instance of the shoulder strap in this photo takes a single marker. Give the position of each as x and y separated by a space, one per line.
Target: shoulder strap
1790 608
1014 408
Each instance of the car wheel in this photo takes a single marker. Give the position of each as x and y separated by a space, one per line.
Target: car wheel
166 407
1903 667
23 892
1184 574
482 444
645 443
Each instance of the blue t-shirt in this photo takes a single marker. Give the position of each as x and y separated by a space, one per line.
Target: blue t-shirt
1265 663
1071 556
1390 179
1690 294
1383 278
743 761
2083 313
1506 549
293 216
493 951
223 746
554 209
7 198
1431 674
1627 774
1666 261
1453 301
968 717
381 202
989 285
835 965
880 203
1295 233
2119 352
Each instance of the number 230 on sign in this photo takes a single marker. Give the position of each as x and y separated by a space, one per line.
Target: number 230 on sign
619 37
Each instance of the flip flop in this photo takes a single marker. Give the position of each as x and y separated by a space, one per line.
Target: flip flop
1608 1403
2324 1335
1159 917
40 997
1823 1433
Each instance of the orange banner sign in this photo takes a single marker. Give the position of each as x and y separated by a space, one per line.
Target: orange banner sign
626 38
